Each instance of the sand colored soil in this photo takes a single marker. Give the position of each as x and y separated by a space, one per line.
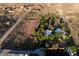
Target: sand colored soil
30 26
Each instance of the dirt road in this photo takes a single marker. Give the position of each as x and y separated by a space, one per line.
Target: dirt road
13 27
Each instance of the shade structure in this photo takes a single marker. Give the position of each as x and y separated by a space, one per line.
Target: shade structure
48 32
58 30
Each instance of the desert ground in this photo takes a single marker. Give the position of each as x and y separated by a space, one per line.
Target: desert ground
69 11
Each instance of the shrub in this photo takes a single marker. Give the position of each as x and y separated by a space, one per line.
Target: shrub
62 25
56 35
43 38
52 20
42 19
52 37
74 48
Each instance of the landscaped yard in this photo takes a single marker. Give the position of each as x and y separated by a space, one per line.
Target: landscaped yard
52 32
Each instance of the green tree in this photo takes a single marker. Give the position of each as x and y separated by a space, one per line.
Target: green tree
42 19
52 37
74 48
62 25
53 20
